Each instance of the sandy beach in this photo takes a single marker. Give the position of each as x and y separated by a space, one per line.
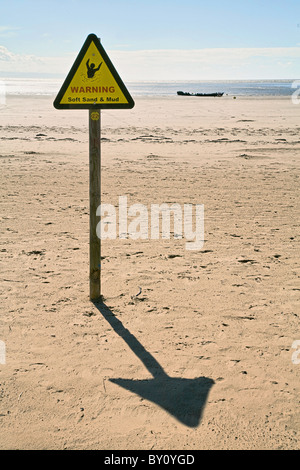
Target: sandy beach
202 358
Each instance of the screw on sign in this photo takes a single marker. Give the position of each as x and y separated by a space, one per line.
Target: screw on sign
94 84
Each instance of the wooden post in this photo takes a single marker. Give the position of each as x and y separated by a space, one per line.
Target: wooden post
95 201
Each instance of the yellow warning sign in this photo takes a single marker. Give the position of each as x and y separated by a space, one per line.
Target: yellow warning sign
93 81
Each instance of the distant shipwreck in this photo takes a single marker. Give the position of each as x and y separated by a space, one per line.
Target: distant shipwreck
182 93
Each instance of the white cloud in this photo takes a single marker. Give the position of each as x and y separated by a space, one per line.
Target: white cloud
197 64
17 62
8 31
206 64
24 63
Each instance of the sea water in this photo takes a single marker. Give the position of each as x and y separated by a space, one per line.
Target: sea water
51 86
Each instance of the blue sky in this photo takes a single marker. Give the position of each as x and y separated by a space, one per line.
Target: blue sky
165 39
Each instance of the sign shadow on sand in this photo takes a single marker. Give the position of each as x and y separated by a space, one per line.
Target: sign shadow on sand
183 398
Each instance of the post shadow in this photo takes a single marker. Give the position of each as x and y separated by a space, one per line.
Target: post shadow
183 398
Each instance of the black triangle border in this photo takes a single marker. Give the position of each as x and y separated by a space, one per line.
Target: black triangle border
57 102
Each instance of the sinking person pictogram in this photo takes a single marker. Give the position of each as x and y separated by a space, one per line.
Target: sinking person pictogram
91 69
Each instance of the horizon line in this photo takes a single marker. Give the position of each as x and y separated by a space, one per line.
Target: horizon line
41 75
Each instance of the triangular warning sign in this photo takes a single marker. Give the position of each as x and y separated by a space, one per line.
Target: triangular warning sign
93 82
